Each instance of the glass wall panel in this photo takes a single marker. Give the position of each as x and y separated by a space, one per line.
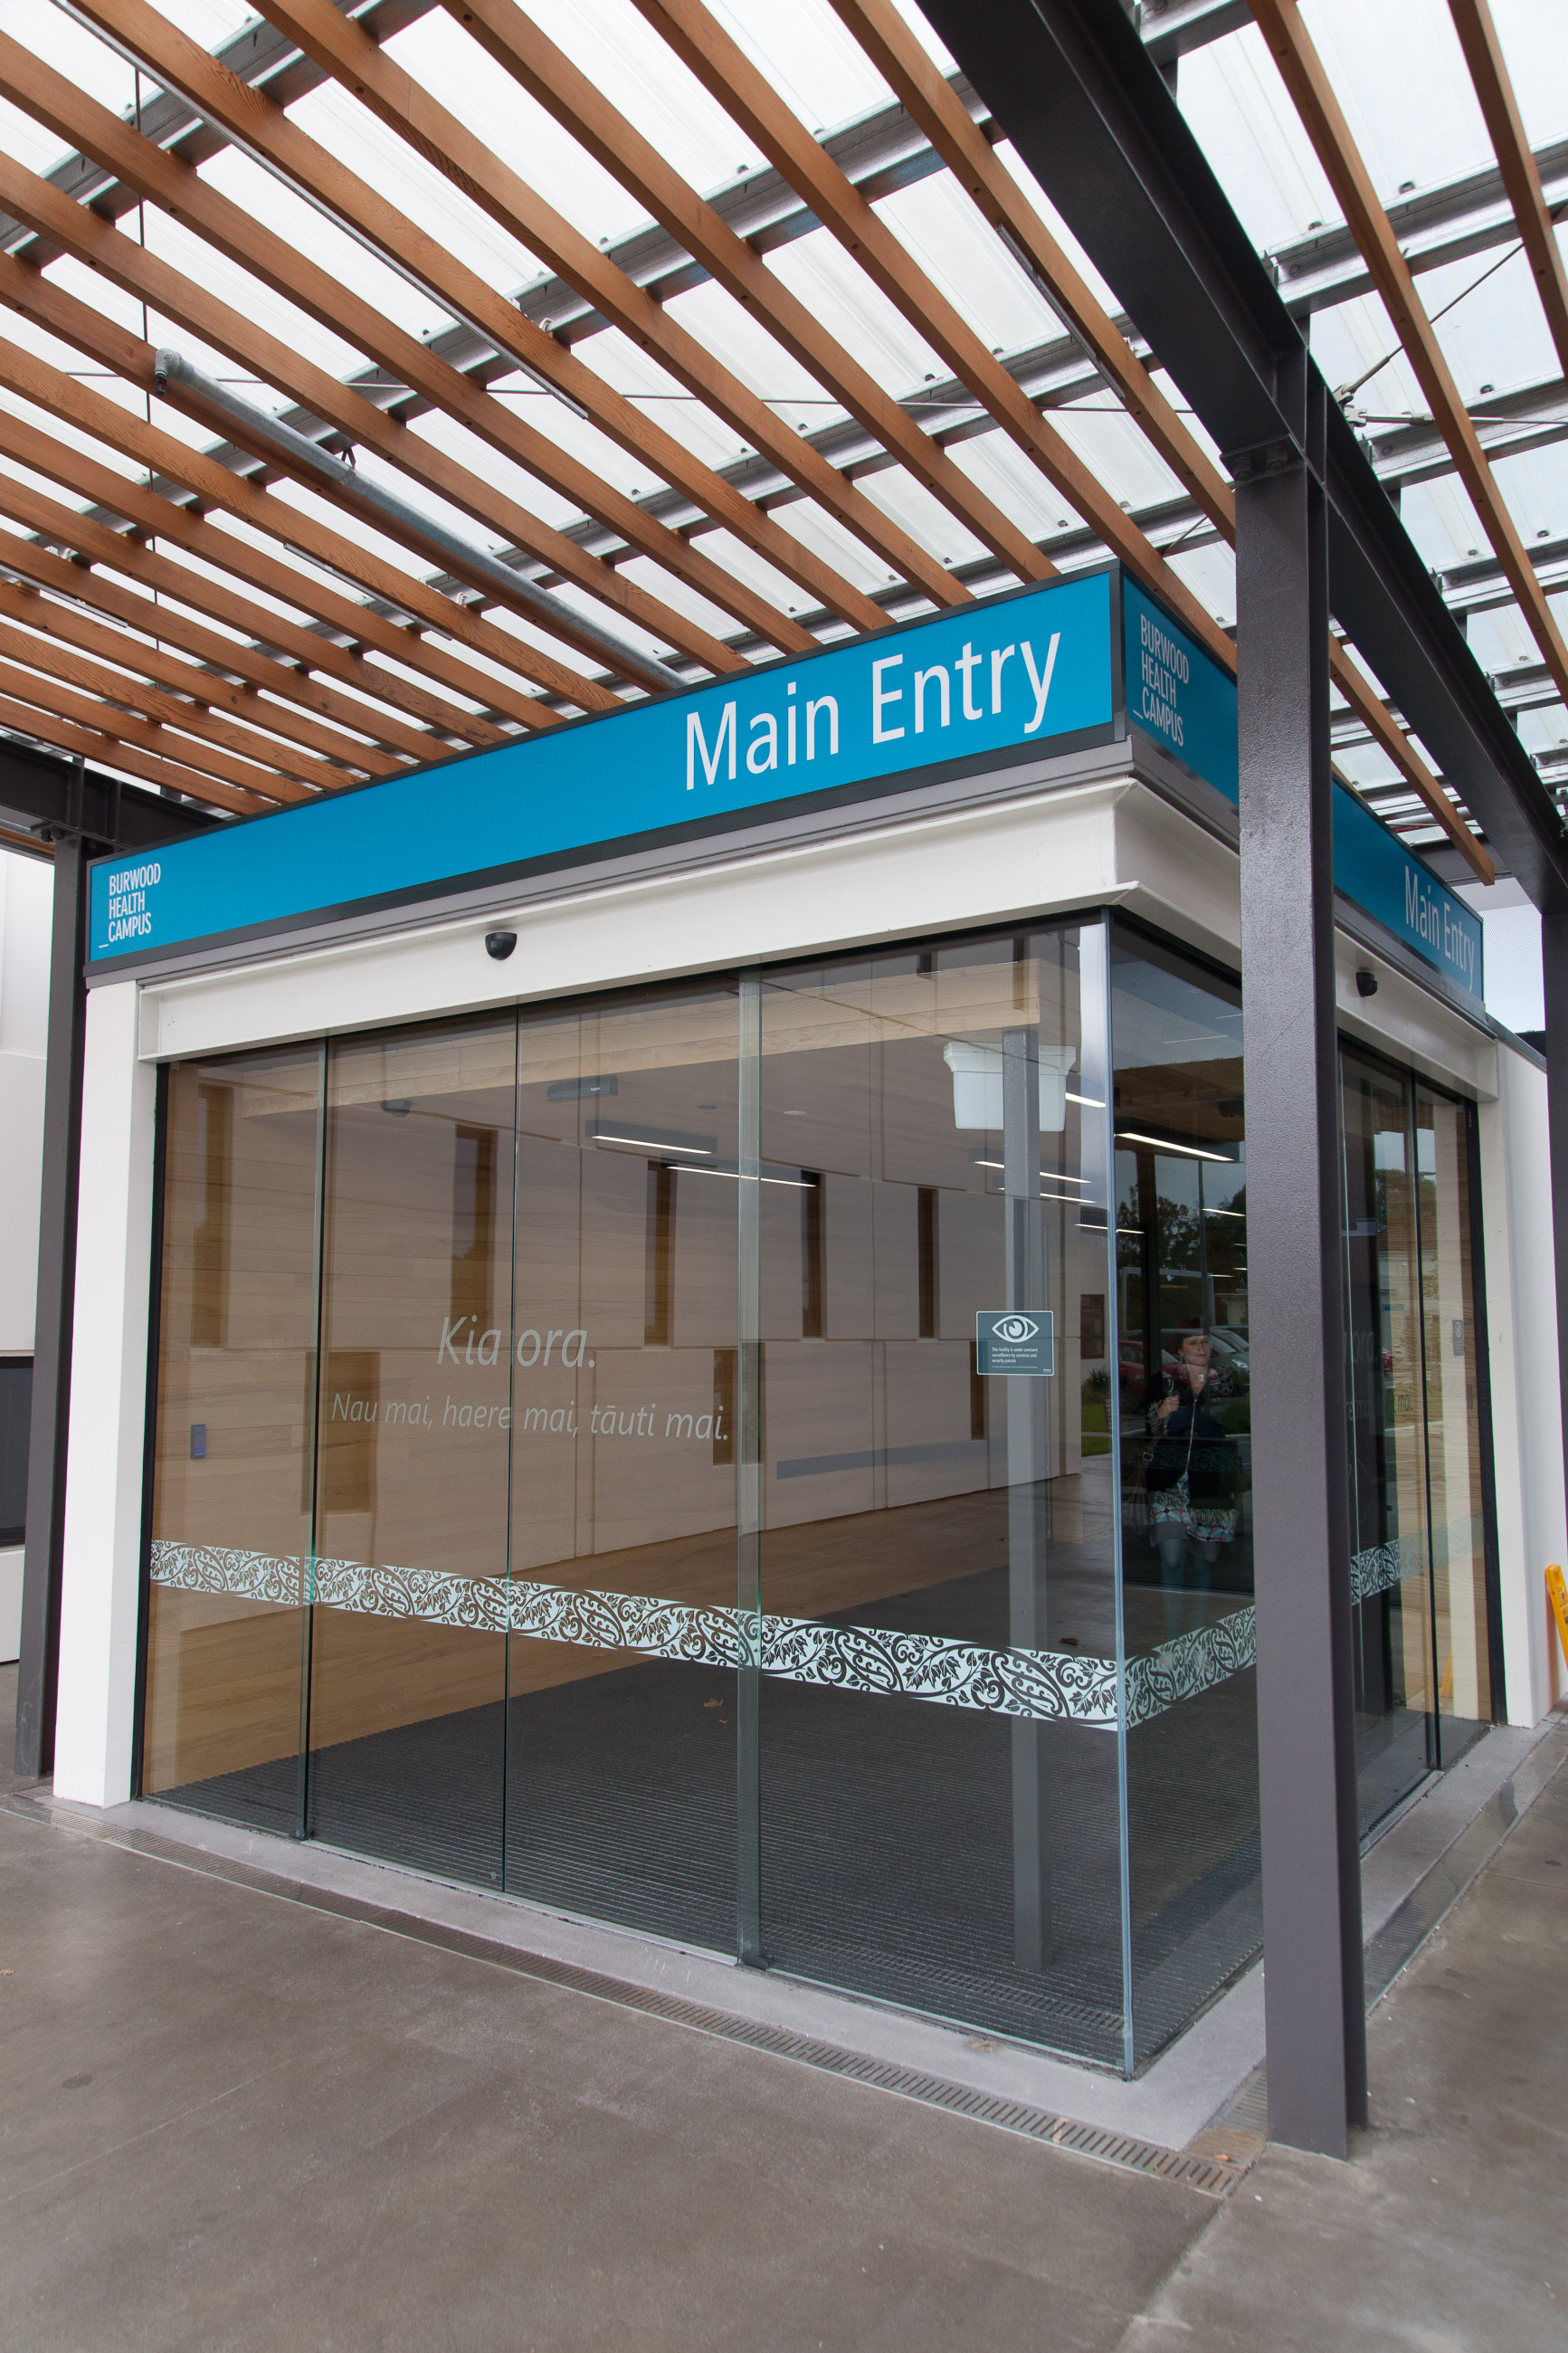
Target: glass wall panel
577 1418
1391 1555
407 1640
1185 1482
232 1462
621 1719
1453 1423
939 1768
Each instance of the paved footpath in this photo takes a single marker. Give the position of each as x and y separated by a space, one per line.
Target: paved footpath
231 2122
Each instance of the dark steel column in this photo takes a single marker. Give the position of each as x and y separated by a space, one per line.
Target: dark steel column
52 1330
1313 1989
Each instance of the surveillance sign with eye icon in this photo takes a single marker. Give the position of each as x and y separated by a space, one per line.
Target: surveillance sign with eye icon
1015 1340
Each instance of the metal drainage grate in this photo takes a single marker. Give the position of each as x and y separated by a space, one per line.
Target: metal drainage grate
1188 2170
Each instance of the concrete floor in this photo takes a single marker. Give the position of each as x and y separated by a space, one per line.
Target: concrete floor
233 2122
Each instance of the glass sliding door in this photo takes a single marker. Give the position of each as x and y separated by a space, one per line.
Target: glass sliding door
1184 1420
766 1461
621 1739
408 1576
1463 1662
938 1769
1418 1564
1391 1555
234 1453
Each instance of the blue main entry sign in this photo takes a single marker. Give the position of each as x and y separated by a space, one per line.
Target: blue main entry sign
1001 681
1045 670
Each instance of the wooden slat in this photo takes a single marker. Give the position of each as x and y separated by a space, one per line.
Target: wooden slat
205 479
409 109
122 262
153 517
730 76
264 130
1291 46
95 697
549 75
169 181
1494 89
931 101
94 131
81 735
139 653
68 645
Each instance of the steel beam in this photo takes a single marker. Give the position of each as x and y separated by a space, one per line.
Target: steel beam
82 813
1068 81
1173 30
1449 221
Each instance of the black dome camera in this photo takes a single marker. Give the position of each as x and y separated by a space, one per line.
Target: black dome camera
499 944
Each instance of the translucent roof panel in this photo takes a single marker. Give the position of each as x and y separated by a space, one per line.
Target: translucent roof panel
678 395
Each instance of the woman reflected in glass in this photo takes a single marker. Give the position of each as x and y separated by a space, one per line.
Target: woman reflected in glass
1191 1475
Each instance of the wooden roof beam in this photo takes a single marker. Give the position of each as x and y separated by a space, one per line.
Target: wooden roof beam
239 679
259 767
1390 737
1291 46
264 131
723 67
931 102
125 263
257 55
182 694
90 744
406 107
1494 88
49 98
76 322
518 46
153 517
106 725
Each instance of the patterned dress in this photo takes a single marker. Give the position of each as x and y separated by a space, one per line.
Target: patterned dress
1198 1499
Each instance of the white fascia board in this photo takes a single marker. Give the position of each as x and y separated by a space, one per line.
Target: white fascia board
993 862
889 874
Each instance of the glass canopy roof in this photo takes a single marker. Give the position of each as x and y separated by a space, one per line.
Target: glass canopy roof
461 248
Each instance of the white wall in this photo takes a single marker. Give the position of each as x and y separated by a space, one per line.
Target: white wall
100 1595
1521 1320
1515 991
27 890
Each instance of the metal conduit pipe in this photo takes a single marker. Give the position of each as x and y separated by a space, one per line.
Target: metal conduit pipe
343 482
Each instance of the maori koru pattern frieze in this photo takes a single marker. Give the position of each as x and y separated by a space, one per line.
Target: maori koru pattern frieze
1192 1664
1381 1566
1039 1686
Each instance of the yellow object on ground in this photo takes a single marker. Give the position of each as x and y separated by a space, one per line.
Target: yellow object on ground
1557 1588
